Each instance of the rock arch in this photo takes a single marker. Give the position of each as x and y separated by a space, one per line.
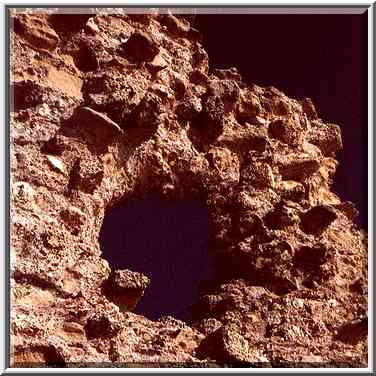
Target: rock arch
258 161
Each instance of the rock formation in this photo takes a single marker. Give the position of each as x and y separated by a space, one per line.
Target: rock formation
107 107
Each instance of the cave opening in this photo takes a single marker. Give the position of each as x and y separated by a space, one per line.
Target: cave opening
168 242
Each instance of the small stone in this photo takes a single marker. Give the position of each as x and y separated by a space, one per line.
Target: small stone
125 288
259 120
282 216
162 91
253 318
200 58
243 200
257 143
124 280
224 164
317 219
44 110
56 163
140 47
247 223
180 86
281 107
158 64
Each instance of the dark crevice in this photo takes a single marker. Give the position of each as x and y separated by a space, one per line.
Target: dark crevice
34 280
65 23
166 241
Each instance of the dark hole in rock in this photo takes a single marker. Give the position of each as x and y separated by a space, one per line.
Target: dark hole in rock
86 59
165 240
53 358
310 259
25 94
69 23
353 331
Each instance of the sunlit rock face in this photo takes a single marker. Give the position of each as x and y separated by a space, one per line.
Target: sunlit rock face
121 108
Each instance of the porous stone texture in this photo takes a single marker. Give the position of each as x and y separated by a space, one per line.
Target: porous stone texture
113 106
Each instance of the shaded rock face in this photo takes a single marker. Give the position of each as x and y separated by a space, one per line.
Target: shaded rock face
145 116
140 47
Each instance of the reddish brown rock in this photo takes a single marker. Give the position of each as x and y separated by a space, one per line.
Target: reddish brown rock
225 345
101 129
327 137
36 30
128 108
286 131
309 108
125 288
101 326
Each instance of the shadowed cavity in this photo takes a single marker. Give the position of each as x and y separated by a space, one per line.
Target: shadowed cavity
167 241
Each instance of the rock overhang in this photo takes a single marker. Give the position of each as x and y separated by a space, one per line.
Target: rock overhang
247 153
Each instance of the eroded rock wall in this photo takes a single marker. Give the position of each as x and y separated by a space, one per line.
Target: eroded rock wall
108 107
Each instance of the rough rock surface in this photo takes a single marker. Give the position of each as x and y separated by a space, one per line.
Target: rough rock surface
120 106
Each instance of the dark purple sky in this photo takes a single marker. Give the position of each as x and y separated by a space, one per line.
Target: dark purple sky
167 241
323 57
318 56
